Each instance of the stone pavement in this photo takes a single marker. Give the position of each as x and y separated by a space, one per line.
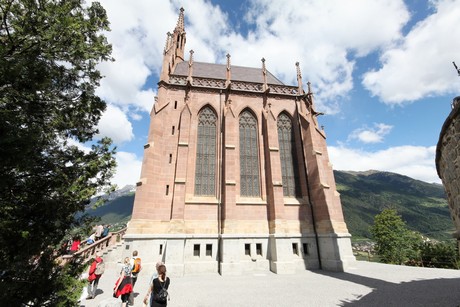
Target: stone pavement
364 284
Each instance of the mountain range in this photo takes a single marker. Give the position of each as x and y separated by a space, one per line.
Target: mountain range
423 206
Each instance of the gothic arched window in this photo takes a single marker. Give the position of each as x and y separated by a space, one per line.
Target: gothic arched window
249 156
206 149
288 156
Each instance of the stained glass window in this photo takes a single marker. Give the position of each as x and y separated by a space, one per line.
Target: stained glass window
249 156
205 172
288 156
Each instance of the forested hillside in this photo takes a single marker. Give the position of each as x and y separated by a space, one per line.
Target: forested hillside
422 205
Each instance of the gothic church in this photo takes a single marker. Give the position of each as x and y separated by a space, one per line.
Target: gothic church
236 175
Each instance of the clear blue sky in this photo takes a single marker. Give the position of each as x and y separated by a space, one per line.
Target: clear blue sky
381 71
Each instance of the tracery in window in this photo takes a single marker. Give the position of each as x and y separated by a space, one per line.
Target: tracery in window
288 157
249 156
205 171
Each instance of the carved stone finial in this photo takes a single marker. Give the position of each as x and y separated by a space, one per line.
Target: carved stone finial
309 87
264 73
299 79
228 61
168 40
190 68
190 61
299 75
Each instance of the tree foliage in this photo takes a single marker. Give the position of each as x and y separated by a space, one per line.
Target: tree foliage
394 242
440 255
49 50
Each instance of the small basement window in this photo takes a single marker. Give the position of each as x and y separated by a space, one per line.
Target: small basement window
295 248
196 250
247 249
208 249
305 248
259 249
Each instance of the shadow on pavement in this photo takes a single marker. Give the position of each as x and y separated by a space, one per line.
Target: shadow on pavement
432 292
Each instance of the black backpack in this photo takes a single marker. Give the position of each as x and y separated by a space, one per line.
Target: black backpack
162 295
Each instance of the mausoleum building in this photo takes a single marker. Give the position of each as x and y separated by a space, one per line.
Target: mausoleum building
236 175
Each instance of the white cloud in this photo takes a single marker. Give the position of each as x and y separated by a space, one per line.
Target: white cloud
371 135
128 169
417 162
420 65
325 37
138 33
115 124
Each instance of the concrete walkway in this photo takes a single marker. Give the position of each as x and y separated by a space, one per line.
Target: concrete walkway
364 284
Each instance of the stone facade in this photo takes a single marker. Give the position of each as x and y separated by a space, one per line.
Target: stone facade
225 231
448 162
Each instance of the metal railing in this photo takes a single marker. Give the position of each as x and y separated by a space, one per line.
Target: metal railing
89 252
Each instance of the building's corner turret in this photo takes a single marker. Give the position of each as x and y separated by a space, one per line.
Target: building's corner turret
174 48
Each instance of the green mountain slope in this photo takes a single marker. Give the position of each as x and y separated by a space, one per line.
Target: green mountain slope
422 205
364 194
118 210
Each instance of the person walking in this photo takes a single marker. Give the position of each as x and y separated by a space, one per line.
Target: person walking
105 231
136 268
159 289
98 232
124 286
95 272
154 275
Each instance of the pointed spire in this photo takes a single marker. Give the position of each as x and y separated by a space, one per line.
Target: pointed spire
264 73
228 61
299 79
190 60
229 72
190 67
168 41
180 22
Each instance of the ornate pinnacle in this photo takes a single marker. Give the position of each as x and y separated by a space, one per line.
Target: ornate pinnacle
180 21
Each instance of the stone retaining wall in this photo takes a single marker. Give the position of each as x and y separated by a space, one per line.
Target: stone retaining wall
448 162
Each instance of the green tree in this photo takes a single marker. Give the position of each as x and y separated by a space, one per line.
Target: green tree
394 242
440 255
49 51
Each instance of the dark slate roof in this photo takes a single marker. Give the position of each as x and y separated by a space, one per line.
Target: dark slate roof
219 71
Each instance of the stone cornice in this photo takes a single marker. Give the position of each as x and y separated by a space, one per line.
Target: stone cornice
237 86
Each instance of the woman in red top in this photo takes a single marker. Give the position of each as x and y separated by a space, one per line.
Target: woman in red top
75 245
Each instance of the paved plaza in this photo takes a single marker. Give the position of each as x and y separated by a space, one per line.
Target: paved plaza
364 284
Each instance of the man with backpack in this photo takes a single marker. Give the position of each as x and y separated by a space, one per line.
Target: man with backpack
136 266
95 272
135 269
